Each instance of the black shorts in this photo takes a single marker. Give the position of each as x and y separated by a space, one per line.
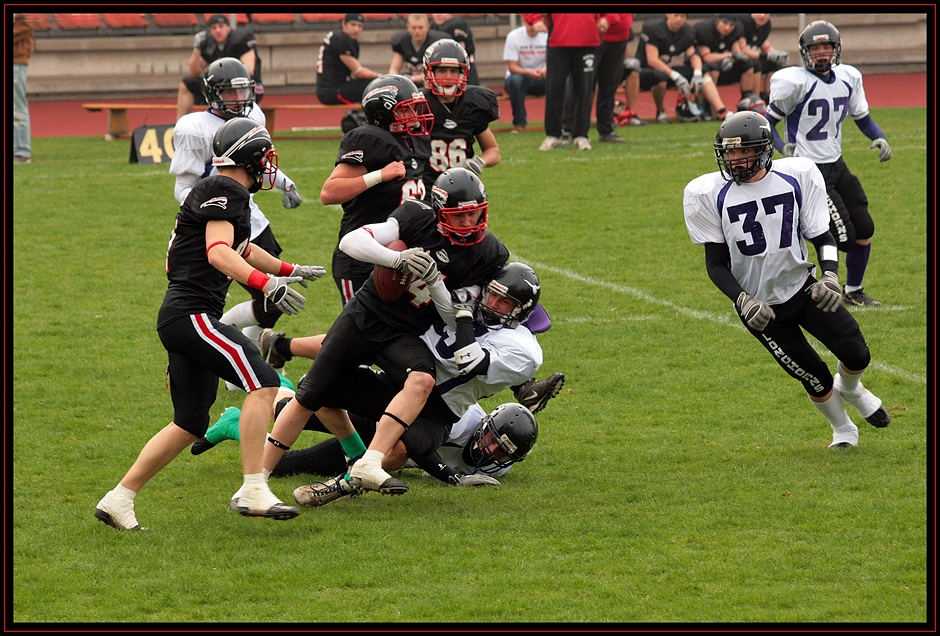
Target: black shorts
201 350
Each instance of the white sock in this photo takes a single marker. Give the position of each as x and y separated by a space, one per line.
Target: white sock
266 473
241 315
124 493
255 479
253 333
850 382
834 413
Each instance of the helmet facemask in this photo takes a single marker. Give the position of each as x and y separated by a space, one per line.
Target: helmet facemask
493 316
470 235
446 86
412 116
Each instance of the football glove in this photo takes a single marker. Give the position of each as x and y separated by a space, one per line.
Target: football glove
779 57
788 150
421 265
740 56
476 480
464 302
756 313
291 196
681 83
288 300
726 64
403 256
476 165
698 80
631 63
308 272
884 150
827 292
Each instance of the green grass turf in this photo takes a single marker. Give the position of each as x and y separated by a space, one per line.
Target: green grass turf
680 477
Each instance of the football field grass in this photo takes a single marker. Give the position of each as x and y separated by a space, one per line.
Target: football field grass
680 477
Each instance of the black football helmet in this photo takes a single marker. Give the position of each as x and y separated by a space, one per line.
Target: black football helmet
744 129
820 32
459 191
513 427
754 104
446 53
244 142
352 118
688 110
394 103
515 281
228 74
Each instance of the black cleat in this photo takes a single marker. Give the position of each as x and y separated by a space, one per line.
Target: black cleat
860 299
535 394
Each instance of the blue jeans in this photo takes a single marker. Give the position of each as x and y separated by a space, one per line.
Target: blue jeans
21 147
518 86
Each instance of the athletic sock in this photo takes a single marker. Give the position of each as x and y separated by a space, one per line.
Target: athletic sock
352 445
834 413
850 381
856 262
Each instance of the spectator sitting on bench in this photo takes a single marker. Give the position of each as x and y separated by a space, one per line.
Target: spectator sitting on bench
341 78
239 43
408 48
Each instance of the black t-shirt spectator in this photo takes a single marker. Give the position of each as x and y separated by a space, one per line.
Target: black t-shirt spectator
331 72
414 60
707 35
754 35
239 42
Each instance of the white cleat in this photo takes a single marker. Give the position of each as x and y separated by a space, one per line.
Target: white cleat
259 501
374 478
846 438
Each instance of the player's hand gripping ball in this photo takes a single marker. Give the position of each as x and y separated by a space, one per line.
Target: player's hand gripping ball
391 283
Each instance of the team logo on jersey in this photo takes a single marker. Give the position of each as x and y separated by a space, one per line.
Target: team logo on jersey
442 256
355 155
219 202
449 124
414 164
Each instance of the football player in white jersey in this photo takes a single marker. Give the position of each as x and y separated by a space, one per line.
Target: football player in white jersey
813 101
753 217
229 91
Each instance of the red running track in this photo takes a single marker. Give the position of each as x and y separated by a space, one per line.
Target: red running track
69 119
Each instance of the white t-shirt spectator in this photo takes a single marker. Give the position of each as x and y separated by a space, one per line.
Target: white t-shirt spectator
529 52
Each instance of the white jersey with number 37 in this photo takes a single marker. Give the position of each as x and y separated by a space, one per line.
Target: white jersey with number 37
764 224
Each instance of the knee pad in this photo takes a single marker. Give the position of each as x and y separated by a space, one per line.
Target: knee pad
854 353
266 312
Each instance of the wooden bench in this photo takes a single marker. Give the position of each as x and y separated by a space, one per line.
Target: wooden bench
119 127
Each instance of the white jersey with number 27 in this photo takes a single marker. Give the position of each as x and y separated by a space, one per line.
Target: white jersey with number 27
763 223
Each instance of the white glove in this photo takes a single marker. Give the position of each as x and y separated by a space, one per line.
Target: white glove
476 165
422 265
291 196
308 272
465 303
403 256
740 56
827 292
476 480
726 64
631 63
884 150
681 83
788 150
289 301
756 313
780 57
697 81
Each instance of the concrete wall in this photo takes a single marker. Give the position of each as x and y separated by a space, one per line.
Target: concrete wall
126 67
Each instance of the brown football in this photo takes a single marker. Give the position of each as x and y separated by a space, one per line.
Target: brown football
391 283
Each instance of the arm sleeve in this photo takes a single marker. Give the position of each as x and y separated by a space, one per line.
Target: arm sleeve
435 467
869 128
718 265
184 183
368 242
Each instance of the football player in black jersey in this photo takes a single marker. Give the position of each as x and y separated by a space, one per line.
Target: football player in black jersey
209 247
341 77
379 166
408 47
462 113
450 248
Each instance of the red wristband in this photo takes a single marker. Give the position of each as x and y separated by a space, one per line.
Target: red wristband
258 280
286 269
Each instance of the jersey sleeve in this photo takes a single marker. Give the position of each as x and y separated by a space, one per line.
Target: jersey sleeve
515 356
786 91
701 212
242 40
858 104
192 150
814 215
